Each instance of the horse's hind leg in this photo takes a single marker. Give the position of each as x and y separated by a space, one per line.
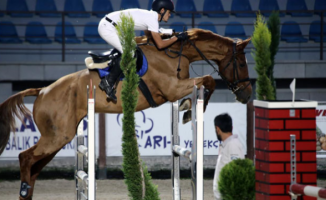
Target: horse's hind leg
30 168
31 165
26 161
55 134
38 166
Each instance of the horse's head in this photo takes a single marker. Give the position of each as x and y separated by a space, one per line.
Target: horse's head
229 55
234 70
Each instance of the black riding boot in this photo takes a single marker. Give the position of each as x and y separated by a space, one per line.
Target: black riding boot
107 83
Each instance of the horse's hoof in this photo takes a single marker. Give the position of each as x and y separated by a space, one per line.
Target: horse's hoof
185 104
206 94
186 117
21 198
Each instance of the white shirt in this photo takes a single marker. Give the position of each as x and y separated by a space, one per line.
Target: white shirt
144 19
230 149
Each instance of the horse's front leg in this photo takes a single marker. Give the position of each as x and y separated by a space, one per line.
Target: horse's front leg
185 87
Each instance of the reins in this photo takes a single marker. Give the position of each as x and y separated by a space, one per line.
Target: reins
231 85
166 50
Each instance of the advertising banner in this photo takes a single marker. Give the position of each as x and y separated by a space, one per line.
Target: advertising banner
154 129
27 136
321 130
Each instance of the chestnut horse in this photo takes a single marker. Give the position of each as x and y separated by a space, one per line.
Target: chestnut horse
59 107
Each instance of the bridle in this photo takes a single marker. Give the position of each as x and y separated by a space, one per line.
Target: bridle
233 86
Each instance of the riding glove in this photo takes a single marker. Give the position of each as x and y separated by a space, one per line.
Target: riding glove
182 36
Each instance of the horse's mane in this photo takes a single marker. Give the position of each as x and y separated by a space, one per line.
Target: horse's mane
194 34
197 34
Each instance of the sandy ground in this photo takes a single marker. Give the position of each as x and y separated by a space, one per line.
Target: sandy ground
106 190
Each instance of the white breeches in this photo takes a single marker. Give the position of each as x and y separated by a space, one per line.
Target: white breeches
110 34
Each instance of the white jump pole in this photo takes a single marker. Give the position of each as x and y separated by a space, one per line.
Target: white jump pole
308 190
175 141
85 182
91 145
197 168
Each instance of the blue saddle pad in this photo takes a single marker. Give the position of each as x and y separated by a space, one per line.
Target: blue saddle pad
141 72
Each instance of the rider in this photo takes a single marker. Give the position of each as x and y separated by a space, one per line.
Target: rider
144 20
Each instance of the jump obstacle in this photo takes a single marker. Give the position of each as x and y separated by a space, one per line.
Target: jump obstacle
299 189
195 156
85 182
274 122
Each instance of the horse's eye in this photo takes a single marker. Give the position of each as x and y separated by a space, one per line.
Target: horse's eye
242 65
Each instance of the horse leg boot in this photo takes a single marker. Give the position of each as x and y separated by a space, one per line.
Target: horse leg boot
108 82
27 160
26 187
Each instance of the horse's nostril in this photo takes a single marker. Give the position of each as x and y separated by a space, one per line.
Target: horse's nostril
249 97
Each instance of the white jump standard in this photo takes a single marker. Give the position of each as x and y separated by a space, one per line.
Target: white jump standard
195 156
85 182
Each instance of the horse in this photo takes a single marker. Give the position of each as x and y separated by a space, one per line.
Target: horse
60 107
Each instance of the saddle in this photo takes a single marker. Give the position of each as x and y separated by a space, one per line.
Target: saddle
103 61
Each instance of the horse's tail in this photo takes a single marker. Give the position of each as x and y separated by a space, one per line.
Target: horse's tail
13 106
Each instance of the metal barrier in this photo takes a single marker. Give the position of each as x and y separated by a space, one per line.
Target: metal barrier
299 189
195 156
85 182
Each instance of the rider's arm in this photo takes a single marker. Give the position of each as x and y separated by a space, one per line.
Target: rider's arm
162 43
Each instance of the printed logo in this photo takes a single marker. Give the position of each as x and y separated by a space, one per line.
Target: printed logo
143 127
234 157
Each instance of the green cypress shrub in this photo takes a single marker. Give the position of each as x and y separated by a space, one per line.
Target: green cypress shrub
136 175
237 180
261 40
151 189
274 27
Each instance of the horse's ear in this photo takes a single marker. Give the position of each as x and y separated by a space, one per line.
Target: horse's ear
244 43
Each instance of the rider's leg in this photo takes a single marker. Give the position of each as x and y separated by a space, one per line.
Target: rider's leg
107 83
109 33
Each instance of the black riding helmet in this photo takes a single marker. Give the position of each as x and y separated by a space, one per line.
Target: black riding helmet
157 5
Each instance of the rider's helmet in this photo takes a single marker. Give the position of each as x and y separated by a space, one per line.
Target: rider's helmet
157 5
